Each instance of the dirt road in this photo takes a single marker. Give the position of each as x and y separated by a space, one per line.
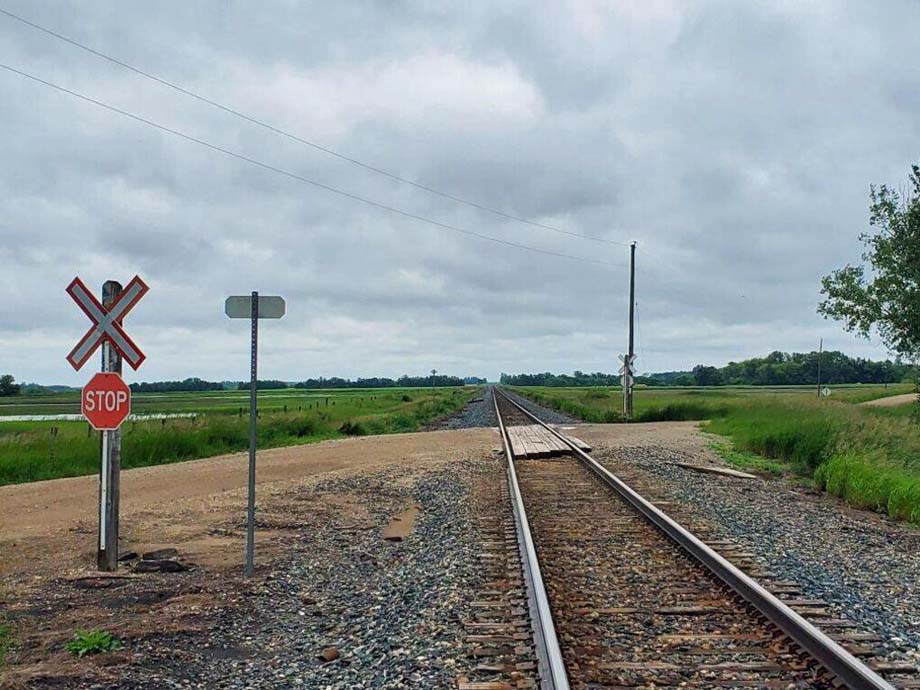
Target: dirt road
892 401
181 501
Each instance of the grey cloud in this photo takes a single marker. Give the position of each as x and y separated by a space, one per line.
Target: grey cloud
735 141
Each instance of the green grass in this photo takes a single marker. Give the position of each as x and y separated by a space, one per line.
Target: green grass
868 456
29 452
92 642
605 405
747 461
870 459
222 402
6 642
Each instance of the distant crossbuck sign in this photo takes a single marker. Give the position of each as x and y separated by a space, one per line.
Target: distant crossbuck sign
106 323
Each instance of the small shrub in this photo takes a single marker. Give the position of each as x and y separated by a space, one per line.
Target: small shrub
300 427
406 398
402 423
92 642
681 412
611 417
350 428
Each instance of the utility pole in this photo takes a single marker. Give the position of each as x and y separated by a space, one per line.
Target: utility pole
110 470
628 372
820 354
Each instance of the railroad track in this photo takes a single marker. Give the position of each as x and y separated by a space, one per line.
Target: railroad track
621 596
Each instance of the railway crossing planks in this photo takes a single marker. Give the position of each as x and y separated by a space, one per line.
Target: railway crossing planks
534 441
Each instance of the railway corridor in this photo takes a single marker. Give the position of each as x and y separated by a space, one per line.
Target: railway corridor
631 610
621 596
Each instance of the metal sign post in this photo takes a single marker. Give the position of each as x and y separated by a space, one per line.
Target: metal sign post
253 419
254 308
106 400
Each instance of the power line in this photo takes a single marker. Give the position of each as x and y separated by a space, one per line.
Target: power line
301 178
294 137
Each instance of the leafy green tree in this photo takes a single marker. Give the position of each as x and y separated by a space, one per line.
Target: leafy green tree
706 376
8 385
887 295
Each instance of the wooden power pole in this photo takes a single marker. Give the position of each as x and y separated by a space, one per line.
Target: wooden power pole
110 468
820 356
628 372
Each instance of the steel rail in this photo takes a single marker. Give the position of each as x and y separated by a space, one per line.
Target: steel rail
852 672
550 665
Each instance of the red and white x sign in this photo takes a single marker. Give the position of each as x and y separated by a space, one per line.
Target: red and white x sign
106 322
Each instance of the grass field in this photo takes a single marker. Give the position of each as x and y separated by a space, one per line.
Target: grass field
870 456
220 402
32 451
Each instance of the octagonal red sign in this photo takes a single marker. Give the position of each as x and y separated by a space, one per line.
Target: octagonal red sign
106 401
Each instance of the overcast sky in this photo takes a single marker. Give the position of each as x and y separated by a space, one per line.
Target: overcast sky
734 141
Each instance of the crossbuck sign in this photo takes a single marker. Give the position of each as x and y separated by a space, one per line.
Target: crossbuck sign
106 323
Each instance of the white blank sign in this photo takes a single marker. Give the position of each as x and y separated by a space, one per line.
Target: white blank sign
240 307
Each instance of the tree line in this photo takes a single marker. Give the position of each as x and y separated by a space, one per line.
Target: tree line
404 381
577 378
191 384
9 387
776 369
785 369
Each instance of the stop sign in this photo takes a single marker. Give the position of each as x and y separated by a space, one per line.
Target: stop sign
106 401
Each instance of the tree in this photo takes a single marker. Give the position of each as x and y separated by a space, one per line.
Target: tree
8 385
887 296
706 376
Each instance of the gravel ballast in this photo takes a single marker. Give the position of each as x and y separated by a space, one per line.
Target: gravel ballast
477 413
865 566
544 413
481 412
